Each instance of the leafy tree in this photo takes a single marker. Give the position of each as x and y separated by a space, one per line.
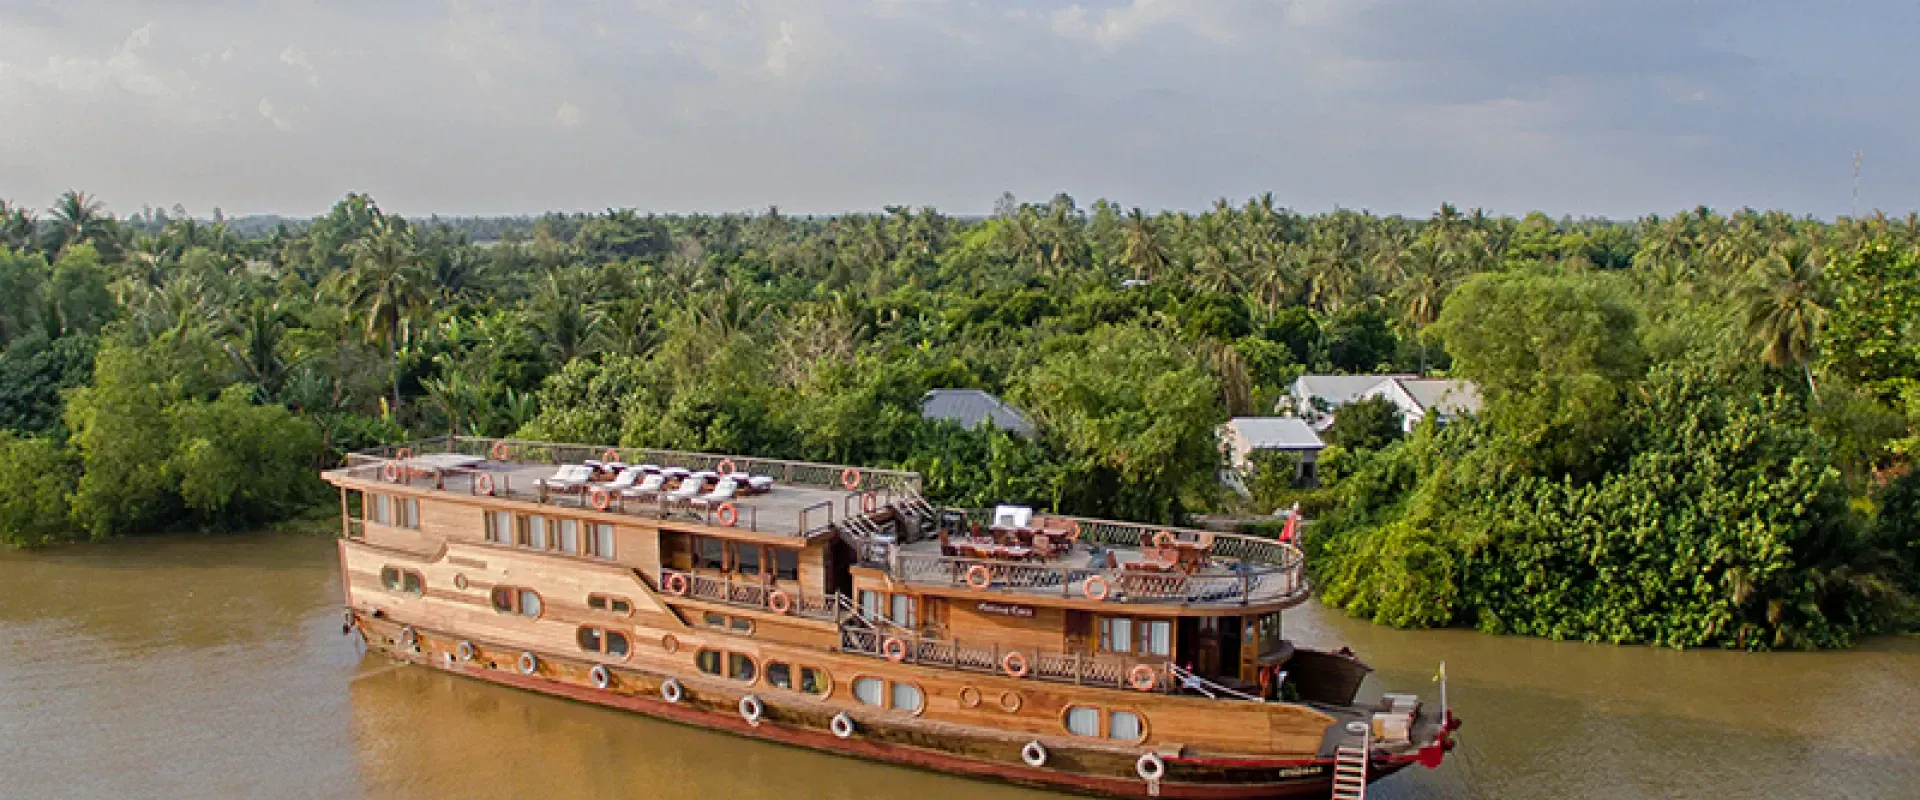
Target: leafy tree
1359 341
38 476
1368 424
77 292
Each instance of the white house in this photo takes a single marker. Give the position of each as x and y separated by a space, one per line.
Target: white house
1241 437
1317 398
1417 397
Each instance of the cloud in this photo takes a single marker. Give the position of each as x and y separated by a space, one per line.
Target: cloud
1630 107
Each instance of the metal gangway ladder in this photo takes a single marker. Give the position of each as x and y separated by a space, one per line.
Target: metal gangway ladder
1350 763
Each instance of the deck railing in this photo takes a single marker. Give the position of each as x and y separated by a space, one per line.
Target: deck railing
1054 666
756 595
1235 583
793 472
1240 547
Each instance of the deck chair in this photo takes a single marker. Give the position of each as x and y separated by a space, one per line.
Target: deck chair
625 480
722 492
686 491
647 489
568 478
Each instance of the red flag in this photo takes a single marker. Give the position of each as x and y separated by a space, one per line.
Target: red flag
1293 522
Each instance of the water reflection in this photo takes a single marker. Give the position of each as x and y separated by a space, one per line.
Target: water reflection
215 668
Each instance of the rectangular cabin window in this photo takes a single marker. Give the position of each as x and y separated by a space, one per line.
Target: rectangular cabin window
590 639
600 540
870 691
409 513
1116 635
1124 726
746 560
740 667
870 604
707 661
617 644
533 533
901 612
813 681
709 553
786 564
1156 637
1083 721
568 535
382 509
715 620
621 606
500 527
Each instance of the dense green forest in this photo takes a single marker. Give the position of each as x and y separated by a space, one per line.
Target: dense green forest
1697 428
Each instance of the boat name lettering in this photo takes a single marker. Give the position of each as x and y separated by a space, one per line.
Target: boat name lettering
1296 772
1006 610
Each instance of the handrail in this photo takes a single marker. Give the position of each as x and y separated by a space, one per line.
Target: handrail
1239 585
1047 665
755 595
802 472
1236 546
1188 679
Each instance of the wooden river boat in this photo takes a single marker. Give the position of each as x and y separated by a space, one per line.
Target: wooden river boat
832 607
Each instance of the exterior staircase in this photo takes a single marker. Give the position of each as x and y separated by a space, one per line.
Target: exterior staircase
868 540
1350 763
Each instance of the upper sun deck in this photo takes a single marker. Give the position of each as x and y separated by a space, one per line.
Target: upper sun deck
770 496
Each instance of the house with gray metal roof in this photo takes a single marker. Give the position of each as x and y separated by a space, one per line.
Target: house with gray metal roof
1241 437
969 407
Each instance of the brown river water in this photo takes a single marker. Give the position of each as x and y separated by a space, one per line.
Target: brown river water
191 668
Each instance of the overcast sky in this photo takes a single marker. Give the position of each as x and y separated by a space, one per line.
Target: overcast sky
1568 106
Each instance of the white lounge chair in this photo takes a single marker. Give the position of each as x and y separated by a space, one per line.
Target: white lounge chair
647 489
625 480
760 484
686 491
722 492
569 478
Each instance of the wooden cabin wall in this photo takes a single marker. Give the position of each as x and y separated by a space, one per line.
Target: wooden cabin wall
1044 631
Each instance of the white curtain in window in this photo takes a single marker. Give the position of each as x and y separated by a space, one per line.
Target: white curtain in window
1116 635
569 536
603 541
382 509
529 603
1156 638
410 513
868 690
502 530
902 611
1123 725
906 697
870 603
1083 721
537 532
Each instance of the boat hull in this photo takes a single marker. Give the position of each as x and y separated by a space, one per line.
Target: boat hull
950 750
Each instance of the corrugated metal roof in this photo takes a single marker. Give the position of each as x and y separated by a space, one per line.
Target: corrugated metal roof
1449 397
1277 433
969 406
1338 390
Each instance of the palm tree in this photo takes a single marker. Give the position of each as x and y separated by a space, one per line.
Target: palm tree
17 226
568 325
386 288
1786 309
256 349
1144 253
77 218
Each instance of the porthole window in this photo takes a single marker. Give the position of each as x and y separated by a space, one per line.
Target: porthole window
405 581
907 697
601 640
607 604
812 679
779 675
511 600
1083 720
1124 726
815 681
708 661
741 668
870 691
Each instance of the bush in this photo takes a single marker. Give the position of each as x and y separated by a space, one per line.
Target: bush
38 476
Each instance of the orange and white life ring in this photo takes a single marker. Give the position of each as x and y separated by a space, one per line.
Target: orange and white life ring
500 451
600 498
1163 539
978 577
850 478
403 454
390 472
611 456
483 484
1143 678
725 467
728 514
869 502
1096 588
676 584
1073 532
894 649
779 602
1014 664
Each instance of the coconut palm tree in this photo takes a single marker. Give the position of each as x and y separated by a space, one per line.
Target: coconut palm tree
386 288
1786 308
1144 252
17 226
77 218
